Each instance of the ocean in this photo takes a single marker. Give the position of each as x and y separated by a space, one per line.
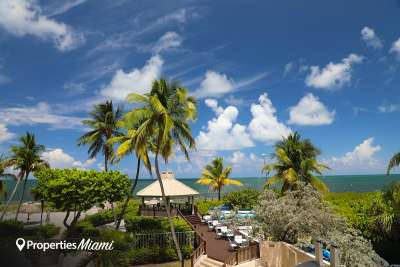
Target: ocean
337 183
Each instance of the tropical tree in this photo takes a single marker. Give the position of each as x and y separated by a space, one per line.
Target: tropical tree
4 175
127 141
163 119
216 176
103 126
26 158
296 162
394 162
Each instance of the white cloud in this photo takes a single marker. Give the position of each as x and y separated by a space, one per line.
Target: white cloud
222 133
57 158
214 85
169 41
60 7
217 84
370 38
362 157
24 17
237 157
5 135
389 108
310 111
333 75
136 81
396 48
213 104
39 114
264 125
288 68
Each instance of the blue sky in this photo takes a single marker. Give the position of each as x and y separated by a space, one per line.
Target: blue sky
260 70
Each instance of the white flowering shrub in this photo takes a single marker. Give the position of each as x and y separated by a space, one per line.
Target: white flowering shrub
301 215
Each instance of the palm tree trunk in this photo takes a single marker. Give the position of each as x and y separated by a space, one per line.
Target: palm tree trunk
106 170
219 193
171 223
22 195
129 195
11 197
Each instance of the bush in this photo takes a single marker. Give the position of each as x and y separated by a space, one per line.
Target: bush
242 199
143 224
42 231
206 204
11 228
100 218
84 229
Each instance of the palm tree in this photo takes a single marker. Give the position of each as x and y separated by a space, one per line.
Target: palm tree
394 162
163 120
296 162
216 176
26 158
103 126
4 175
127 142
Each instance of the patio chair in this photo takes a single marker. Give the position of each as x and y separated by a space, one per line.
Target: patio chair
219 232
232 245
238 239
210 225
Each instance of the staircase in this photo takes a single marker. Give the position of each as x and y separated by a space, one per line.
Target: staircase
205 261
193 219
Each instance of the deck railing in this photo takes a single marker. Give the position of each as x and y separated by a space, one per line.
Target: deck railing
200 242
162 239
243 254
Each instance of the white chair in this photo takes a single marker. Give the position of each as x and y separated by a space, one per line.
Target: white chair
232 245
215 223
219 232
229 233
238 239
210 225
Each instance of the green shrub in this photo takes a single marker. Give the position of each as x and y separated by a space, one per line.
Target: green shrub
242 199
11 228
187 251
204 205
100 218
144 224
84 229
48 230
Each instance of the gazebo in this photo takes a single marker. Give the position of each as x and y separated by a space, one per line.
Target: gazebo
174 189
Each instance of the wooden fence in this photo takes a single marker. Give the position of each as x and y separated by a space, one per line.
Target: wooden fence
244 254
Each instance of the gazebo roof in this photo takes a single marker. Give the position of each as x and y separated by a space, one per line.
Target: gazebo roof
172 187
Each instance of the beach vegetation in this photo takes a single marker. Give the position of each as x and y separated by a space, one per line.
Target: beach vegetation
301 215
295 162
242 199
25 158
163 118
216 176
75 191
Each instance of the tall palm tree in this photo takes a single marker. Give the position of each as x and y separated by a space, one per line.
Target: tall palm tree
163 118
4 175
103 126
296 162
394 162
26 158
127 141
216 176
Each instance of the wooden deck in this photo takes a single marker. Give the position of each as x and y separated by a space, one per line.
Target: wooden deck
217 249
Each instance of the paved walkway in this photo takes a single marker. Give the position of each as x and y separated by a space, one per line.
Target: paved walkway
217 249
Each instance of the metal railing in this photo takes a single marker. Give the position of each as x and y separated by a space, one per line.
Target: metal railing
162 239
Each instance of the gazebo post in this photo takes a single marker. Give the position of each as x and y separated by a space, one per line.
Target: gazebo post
192 205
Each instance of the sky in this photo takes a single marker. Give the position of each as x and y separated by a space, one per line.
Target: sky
259 69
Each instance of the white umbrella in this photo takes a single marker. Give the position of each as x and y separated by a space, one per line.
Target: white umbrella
29 208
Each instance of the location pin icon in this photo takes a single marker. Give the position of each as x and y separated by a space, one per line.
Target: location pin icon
20 242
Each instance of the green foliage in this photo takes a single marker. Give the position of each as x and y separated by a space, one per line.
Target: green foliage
355 208
144 224
243 199
204 205
11 229
84 229
72 189
100 218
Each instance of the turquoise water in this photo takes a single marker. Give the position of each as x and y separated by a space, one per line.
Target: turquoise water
339 183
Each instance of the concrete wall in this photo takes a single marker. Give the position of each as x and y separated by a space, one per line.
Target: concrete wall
280 254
